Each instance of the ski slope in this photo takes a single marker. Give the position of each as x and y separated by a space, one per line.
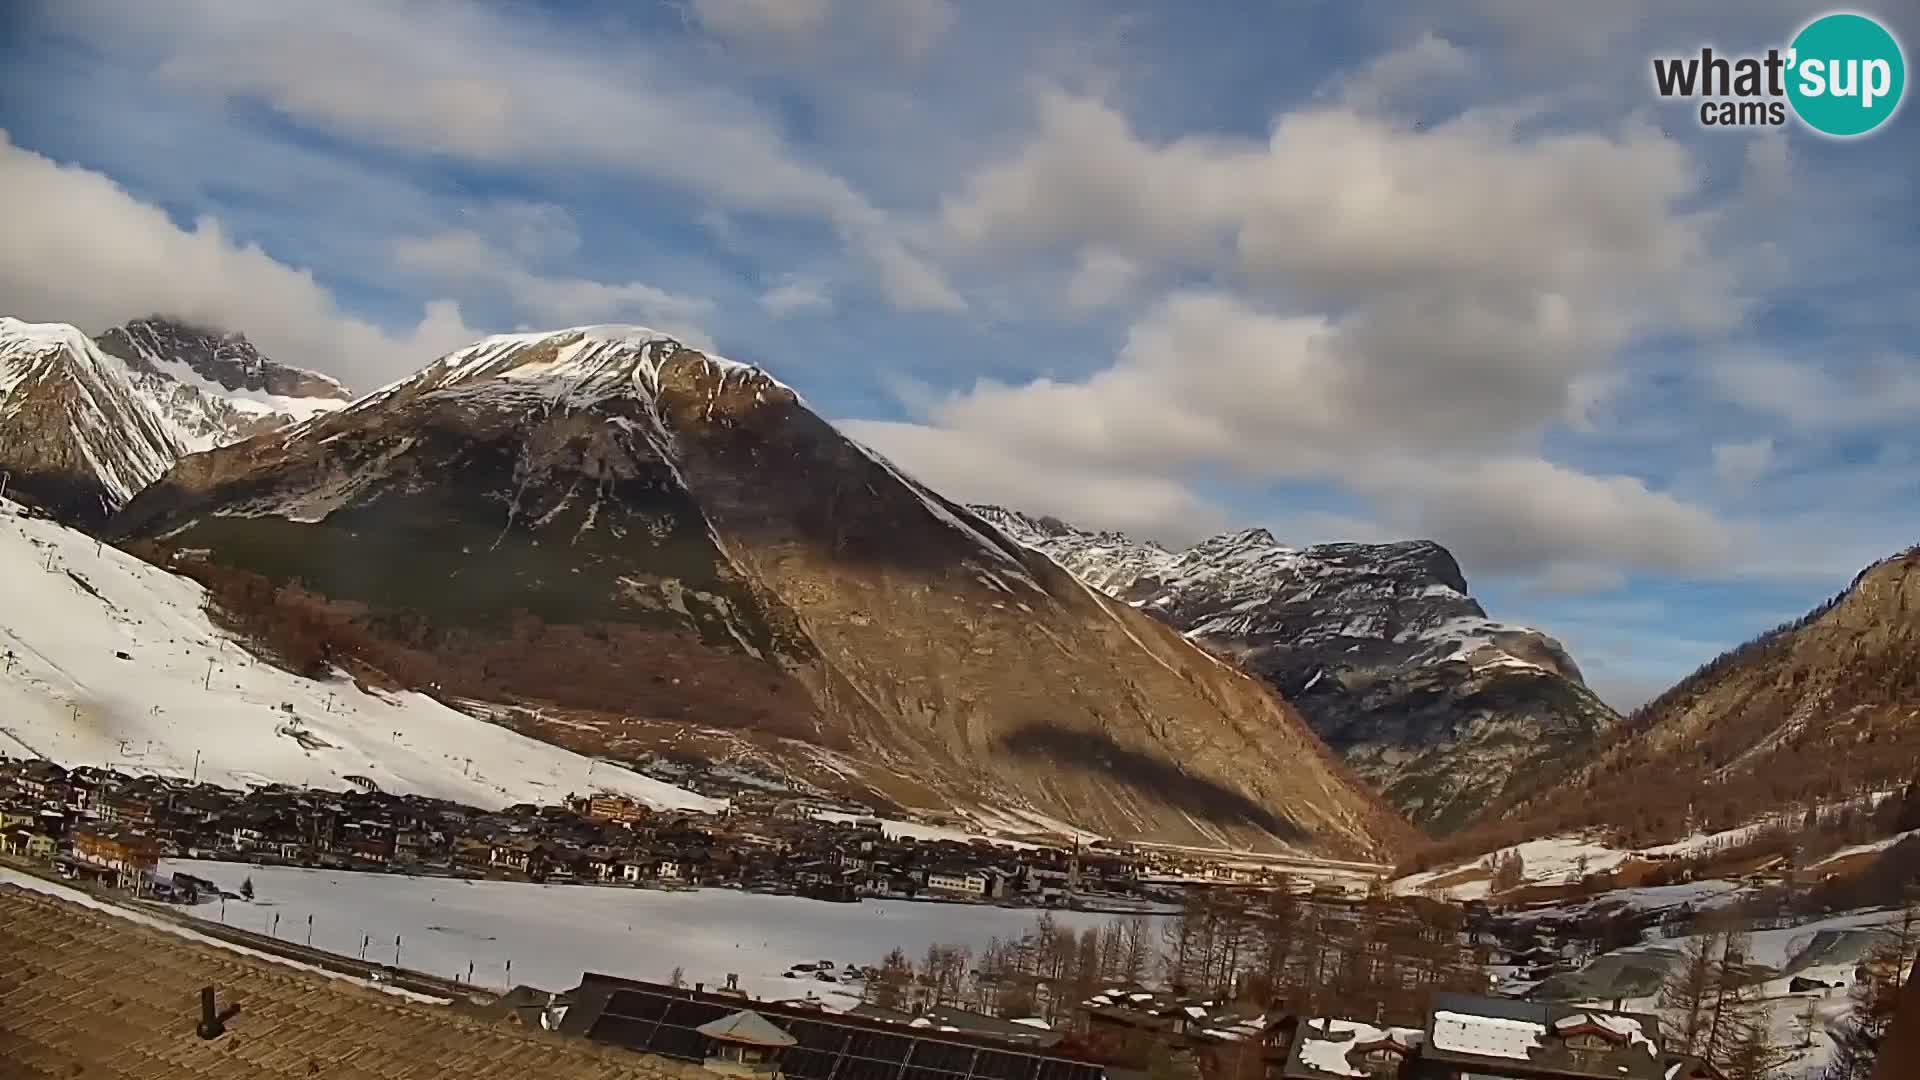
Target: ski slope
188 700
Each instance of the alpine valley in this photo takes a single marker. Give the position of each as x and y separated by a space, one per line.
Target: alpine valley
624 549
611 542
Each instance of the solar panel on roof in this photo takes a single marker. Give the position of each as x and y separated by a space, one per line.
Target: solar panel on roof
933 1054
1055 1069
636 1005
880 1046
620 1029
819 1036
999 1065
805 1064
931 1074
680 1042
692 1013
861 1068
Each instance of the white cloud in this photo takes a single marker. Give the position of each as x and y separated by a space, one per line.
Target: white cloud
1880 390
912 24
1517 513
909 27
758 18
967 468
1739 466
1101 278
474 84
1205 380
794 296
1391 76
1568 578
80 249
464 256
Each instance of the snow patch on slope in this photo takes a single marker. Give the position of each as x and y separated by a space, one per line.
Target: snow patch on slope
188 700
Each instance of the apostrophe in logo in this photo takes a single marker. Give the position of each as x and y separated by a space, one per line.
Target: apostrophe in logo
1848 74
1843 75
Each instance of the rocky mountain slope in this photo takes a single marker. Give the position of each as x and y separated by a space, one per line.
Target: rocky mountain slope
215 387
1819 710
613 541
1378 645
77 435
86 424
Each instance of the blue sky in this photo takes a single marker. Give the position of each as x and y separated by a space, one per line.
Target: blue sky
1348 271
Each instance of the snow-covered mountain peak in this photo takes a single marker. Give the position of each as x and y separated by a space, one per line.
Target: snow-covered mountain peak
215 387
225 359
75 431
580 366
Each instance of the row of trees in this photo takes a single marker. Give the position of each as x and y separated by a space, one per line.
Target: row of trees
1876 998
1712 1004
1378 961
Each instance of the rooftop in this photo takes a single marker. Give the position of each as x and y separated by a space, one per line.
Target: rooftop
86 993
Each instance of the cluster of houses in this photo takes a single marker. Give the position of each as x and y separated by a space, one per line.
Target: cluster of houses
1123 1033
99 823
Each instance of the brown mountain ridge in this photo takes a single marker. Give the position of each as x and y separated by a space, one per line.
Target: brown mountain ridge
615 542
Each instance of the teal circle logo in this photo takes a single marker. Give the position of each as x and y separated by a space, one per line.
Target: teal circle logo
1846 74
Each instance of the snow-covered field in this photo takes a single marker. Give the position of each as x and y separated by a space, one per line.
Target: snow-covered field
1556 860
188 700
1786 1009
552 933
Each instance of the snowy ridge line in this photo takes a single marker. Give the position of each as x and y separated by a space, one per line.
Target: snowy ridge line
125 453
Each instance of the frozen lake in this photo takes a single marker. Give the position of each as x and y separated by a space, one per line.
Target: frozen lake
552 933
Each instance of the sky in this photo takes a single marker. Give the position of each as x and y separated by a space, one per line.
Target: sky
1349 271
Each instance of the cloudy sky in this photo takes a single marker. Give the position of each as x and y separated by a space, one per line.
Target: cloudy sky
1346 270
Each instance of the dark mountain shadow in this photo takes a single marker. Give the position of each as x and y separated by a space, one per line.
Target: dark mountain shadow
1161 780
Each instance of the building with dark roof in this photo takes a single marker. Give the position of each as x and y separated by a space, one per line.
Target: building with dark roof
666 1020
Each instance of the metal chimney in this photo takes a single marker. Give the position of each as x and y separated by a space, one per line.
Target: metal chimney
210 1025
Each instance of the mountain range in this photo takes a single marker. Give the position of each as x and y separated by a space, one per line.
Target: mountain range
86 424
1379 646
1823 708
614 543
618 543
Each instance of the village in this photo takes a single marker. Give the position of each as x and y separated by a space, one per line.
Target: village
99 823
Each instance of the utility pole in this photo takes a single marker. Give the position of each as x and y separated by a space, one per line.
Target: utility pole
196 767
396 950
309 930
209 682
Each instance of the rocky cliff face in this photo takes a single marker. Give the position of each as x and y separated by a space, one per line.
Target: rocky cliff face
216 388
1821 709
610 536
77 435
1379 646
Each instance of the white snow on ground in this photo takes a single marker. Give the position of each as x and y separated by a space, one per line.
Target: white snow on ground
1699 895
1773 949
1551 860
1330 1055
41 885
1866 849
1554 860
895 829
69 606
552 933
